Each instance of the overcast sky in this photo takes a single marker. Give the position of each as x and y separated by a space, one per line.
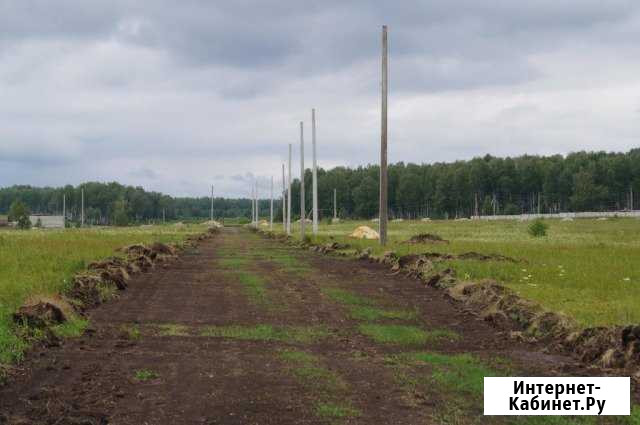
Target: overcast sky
177 95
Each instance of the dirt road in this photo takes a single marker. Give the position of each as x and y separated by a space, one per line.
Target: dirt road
243 330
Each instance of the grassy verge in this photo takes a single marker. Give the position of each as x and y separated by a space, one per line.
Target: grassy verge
585 268
42 262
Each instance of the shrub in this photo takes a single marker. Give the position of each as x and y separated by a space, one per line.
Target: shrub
538 228
19 213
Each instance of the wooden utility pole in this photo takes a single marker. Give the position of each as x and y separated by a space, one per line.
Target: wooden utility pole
284 207
383 139
271 209
302 207
163 216
289 195
314 173
335 204
211 203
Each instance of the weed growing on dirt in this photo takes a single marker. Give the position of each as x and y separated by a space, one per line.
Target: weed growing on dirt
326 385
172 329
254 285
131 332
145 375
293 334
345 297
404 335
335 411
71 328
307 369
372 314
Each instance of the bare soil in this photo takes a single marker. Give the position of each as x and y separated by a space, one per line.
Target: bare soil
216 380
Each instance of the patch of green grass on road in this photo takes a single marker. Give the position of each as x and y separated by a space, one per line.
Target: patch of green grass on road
145 375
173 329
233 262
255 286
404 335
372 314
346 297
459 381
329 410
327 386
72 328
291 334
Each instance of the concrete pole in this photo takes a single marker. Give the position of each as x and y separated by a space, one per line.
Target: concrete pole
271 209
211 202
289 196
81 207
315 173
284 206
383 139
253 208
257 206
64 211
302 207
335 203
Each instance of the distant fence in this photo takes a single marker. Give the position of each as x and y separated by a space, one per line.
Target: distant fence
524 217
48 221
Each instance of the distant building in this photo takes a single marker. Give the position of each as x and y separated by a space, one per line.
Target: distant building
48 221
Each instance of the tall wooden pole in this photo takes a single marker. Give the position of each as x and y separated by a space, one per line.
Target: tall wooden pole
271 209
289 195
383 139
302 207
284 207
335 203
314 173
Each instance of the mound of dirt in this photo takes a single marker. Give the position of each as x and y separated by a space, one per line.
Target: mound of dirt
364 232
42 312
426 238
212 223
426 219
163 249
335 220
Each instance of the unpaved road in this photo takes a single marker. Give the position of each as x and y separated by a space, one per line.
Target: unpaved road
243 330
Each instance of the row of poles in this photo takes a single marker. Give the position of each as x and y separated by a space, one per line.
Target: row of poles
286 188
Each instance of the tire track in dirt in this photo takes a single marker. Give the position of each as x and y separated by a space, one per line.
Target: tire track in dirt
215 350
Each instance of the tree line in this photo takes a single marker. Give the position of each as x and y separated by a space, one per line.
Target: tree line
581 181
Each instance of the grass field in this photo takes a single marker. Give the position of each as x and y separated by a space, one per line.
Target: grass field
588 269
42 262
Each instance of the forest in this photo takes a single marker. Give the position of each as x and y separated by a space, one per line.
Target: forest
580 181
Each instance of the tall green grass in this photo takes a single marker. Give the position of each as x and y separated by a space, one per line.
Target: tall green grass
42 262
588 269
